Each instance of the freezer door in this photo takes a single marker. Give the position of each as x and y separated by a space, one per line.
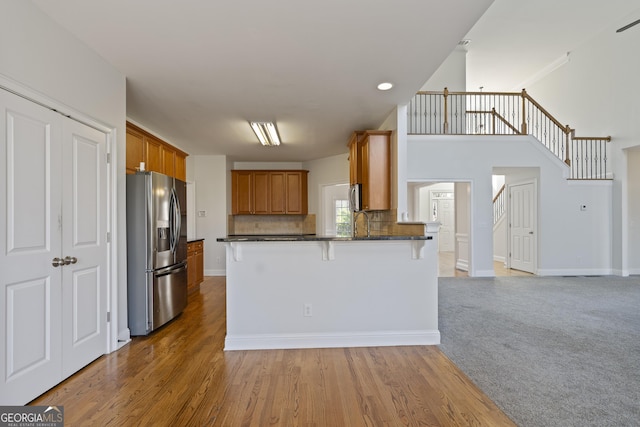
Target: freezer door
169 294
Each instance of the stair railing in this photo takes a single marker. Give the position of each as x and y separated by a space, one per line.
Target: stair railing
506 113
499 205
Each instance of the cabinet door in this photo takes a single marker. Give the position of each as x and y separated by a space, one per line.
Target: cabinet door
199 261
53 319
154 155
30 237
261 192
191 267
168 160
84 222
296 191
355 158
278 190
376 175
241 192
181 167
135 151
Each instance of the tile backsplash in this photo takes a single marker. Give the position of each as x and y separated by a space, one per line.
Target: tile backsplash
271 224
384 223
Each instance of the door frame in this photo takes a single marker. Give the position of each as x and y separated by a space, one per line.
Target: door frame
534 216
12 86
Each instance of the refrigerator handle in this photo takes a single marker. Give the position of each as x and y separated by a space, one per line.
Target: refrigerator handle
172 221
178 217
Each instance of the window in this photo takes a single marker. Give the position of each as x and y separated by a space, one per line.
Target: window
343 218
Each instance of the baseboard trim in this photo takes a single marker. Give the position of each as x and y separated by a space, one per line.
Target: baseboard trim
220 272
337 340
575 272
462 265
484 273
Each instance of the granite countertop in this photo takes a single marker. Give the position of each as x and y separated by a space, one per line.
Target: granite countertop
195 239
312 238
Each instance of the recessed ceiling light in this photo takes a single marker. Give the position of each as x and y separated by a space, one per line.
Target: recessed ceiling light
385 86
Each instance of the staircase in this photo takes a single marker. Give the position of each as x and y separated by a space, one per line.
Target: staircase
508 113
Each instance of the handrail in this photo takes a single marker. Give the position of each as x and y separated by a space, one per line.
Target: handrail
499 205
539 107
499 193
504 113
505 121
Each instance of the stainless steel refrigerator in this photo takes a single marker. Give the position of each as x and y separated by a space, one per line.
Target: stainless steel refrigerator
156 250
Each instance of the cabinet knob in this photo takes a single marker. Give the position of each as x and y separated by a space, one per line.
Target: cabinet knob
57 262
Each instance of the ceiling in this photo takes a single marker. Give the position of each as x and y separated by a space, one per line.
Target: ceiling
198 70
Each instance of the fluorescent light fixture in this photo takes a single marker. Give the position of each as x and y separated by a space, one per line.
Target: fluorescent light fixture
266 132
385 86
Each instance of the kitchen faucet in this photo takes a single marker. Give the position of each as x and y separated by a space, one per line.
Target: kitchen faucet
355 223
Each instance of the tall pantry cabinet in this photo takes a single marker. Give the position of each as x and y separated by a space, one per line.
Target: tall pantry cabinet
54 257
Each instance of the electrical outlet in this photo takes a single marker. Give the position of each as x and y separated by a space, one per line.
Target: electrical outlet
218 260
307 310
202 214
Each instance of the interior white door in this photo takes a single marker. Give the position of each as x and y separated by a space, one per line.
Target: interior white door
30 234
522 227
84 225
445 214
54 254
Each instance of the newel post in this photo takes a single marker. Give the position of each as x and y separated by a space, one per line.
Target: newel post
523 126
569 136
446 108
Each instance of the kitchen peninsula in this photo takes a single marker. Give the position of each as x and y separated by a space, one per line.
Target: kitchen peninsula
297 291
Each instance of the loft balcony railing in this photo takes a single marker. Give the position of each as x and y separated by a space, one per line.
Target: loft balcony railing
507 113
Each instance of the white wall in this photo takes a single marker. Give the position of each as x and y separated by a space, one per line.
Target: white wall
210 176
633 157
40 55
598 93
570 241
451 73
326 171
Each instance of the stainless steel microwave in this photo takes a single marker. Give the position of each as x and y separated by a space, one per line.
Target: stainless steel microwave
355 197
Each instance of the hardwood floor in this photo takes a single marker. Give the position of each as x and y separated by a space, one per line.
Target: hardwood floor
180 376
447 267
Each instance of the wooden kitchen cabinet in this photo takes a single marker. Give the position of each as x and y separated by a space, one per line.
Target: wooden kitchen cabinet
296 192
370 165
274 192
153 161
135 150
181 166
195 265
168 161
158 155
355 157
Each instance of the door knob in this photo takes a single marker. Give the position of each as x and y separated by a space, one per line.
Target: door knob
57 262
70 260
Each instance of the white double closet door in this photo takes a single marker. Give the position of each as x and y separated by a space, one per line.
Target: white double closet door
53 258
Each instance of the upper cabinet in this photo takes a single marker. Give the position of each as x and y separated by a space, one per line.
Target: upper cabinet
271 192
370 166
157 155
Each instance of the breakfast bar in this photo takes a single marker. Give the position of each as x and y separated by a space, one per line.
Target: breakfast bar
297 291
